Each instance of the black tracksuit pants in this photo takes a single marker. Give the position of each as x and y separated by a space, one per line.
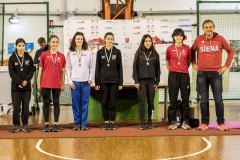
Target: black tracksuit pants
109 100
146 91
20 98
178 81
46 95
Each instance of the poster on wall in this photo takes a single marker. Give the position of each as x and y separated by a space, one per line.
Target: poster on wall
29 47
128 35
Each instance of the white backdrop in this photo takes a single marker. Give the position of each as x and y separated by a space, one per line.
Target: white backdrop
128 34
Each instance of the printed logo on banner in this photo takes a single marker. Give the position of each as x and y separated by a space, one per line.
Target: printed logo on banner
187 31
184 25
184 20
80 22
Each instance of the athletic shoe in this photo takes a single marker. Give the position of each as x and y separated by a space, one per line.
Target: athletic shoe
46 128
173 126
84 128
203 127
223 127
112 126
76 127
150 126
142 126
15 129
106 126
56 128
185 125
26 128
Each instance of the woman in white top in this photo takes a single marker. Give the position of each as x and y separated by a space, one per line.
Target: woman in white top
80 74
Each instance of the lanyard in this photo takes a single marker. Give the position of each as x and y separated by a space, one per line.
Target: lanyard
54 60
21 64
79 54
108 58
178 55
147 58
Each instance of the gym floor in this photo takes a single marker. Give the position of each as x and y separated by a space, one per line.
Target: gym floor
223 147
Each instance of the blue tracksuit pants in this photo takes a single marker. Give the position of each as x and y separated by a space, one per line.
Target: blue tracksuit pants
80 101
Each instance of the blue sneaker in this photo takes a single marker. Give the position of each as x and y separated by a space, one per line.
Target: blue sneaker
46 128
56 128
15 129
26 128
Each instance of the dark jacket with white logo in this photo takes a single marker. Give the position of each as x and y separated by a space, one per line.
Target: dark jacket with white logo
143 71
19 76
112 73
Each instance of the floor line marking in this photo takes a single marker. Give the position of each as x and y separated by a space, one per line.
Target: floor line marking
209 145
49 154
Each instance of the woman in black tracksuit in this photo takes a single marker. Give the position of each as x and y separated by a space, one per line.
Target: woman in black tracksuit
21 71
146 75
109 79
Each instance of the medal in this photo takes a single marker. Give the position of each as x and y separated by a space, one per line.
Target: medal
178 55
147 58
54 61
21 63
79 54
108 58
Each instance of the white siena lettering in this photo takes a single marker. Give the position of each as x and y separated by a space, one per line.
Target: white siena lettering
209 48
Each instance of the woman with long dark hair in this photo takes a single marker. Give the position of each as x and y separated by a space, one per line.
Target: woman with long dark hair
21 71
146 75
80 75
51 81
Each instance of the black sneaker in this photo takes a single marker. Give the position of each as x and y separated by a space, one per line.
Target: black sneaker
150 126
76 127
106 126
15 129
112 126
26 128
56 128
142 126
46 128
84 128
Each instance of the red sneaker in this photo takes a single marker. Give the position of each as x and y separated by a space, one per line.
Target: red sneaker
223 127
202 127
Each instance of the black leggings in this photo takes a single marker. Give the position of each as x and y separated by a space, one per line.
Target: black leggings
20 98
109 101
146 91
46 95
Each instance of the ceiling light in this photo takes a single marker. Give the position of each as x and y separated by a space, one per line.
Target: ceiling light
14 19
